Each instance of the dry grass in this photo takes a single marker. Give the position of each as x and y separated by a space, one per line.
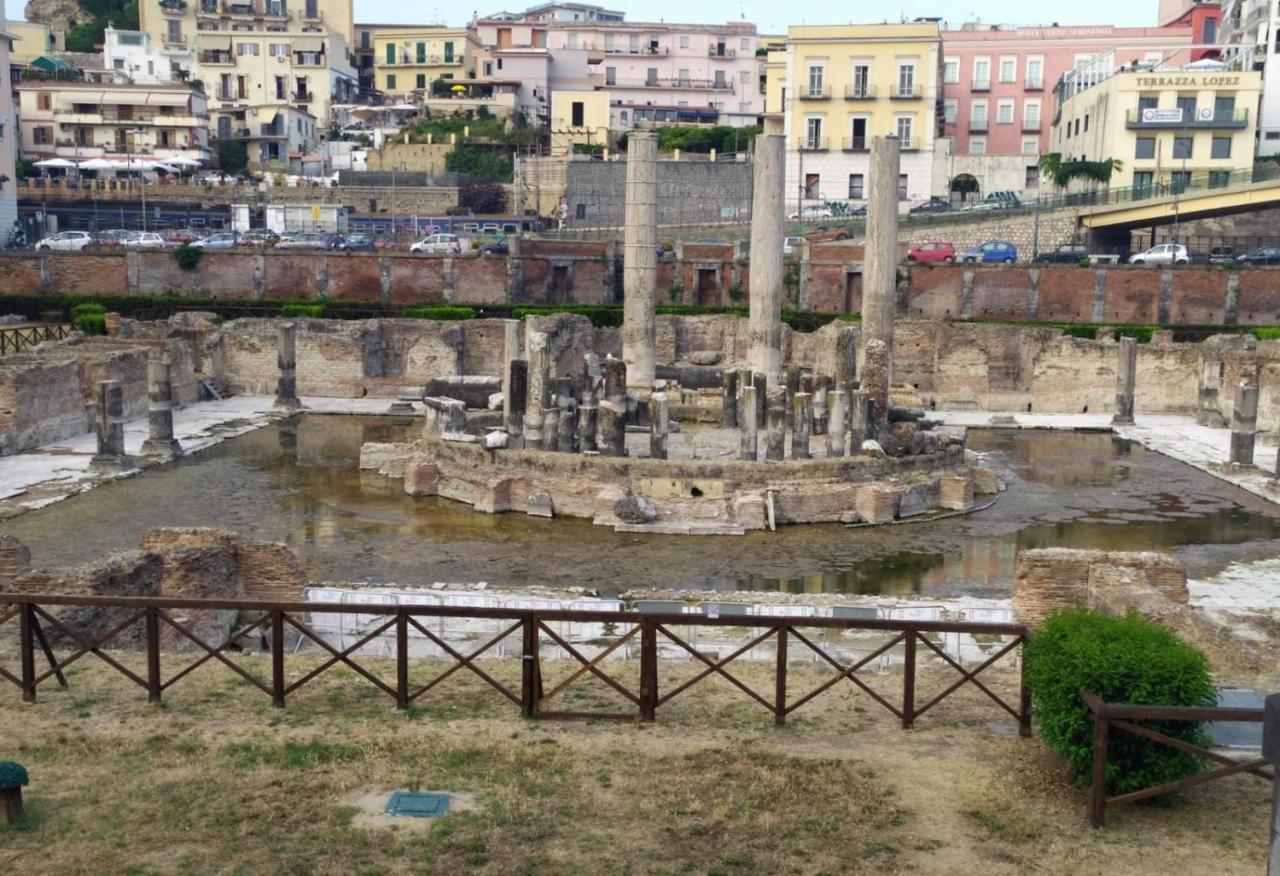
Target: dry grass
217 781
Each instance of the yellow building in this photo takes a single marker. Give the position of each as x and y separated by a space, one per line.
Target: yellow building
1166 126
578 117
34 39
830 89
409 59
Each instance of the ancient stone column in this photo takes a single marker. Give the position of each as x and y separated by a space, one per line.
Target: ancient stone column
537 392
776 429
287 362
846 376
729 408
821 398
615 380
567 425
767 215
747 424
837 405
110 409
792 378
1244 424
510 354
880 266
613 428
859 420
640 262
1207 411
659 424
875 382
550 427
592 373
515 396
588 423
1126 378
160 441
802 419
760 381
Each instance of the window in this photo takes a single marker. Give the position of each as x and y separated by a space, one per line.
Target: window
572 41
949 109
720 81
1144 147
812 185
982 73
977 145
1004 112
1031 114
744 77
745 44
1086 123
278 50
175 32
391 53
580 211
1180 181
421 81
861 80
578 113
907 79
247 49
1221 147
610 75
44 100
651 76
1148 101
902 186
904 130
42 136
1182 147
682 76
1224 107
951 70
858 133
1030 146
1035 73
1188 106
813 132
391 81
816 75
856 186
1008 69
488 70
684 41
978 115
1032 179
1219 178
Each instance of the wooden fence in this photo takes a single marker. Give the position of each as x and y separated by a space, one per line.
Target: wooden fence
32 614
1109 716
16 338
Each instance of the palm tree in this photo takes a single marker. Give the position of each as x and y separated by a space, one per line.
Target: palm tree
1063 173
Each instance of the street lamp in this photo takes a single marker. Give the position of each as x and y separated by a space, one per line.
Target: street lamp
142 179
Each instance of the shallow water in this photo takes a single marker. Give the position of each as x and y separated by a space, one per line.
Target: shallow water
299 483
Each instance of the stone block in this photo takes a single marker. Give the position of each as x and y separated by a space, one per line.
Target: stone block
956 493
421 477
878 503
985 481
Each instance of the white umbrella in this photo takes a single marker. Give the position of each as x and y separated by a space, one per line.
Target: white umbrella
97 164
182 162
55 162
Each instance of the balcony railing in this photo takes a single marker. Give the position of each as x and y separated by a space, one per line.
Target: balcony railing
173 7
230 95
821 92
423 60
978 125
1031 126
692 84
814 144
721 52
908 144
855 144
860 92
642 50
302 96
980 85
1225 119
906 92
217 58
1034 83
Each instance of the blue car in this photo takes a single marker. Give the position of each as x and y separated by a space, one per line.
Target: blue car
991 252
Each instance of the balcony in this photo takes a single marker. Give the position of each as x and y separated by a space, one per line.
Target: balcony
179 44
309 59
908 144
638 50
173 7
229 96
425 61
721 52
1152 120
217 58
978 126
906 92
1034 83
822 92
855 144
980 85
814 144
302 96
683 83
1031 126
860 92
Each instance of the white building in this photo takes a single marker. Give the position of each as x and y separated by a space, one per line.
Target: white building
8 144
1251 36
130 54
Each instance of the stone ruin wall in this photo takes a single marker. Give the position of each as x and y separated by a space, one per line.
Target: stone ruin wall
1052 579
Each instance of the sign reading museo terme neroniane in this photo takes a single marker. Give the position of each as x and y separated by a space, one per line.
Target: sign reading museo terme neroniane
1156 115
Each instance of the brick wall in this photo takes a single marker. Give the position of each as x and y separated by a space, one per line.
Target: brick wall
1053 579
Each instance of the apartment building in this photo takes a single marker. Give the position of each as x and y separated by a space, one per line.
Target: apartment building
832 88
407 60
32 39
131 57
516 50
997 87
290 56
9 141
81 120
1167 125
1250 34
559 12
579 117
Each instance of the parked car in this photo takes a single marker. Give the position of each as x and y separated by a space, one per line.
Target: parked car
1067 254
179 236
932 252
814 211
145 240
66 241
825 234
497 248
933 205
258 237
357 243
789 244
1220 255
112 237
218 240
1163 254
1266 255
1002 200
306 240
992 252
438 244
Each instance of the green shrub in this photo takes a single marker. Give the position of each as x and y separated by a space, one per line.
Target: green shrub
1122 660
311 310
1086 262
88 308
440 311
91 324
187 256
1267 333
1140 333
12 775
1083 332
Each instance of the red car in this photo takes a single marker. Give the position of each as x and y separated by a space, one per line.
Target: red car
932 253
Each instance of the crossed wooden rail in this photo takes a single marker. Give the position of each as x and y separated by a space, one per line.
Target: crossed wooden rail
1106 716
15 339
270 619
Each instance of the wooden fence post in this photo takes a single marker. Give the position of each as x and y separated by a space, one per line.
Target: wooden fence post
780 689
648 671
26 650
153 654
1098 785
402 660
1271 751
1024 694
277 658
529 669
909 681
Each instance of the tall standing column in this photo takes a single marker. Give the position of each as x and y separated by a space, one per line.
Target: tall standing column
859 420
775 436
613 428
640 262
160 442
846 376
1126 378
659 424
802 420
729 406
515 395
880 272
287 362
1244 424
767 215
747 424
510 353
837 402
875 382
538 392
110 409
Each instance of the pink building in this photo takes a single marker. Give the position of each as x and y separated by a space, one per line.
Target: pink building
998 92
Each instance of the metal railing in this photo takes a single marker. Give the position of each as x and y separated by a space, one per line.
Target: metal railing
1225 119
822 92
855 144
906 92
980 85
860 92
631 632
813 144
978 124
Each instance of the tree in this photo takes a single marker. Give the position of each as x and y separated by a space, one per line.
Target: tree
233 157
88 35
492 164
483 197
1063 173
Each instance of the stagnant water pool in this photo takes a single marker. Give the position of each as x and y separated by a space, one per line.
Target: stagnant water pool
298 482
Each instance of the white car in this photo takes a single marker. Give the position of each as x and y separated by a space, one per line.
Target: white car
438 244
67 241
1163 254
814 211
145 240
789 244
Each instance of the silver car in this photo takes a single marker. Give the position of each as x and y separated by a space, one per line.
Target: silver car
1163 254
221 240
67 241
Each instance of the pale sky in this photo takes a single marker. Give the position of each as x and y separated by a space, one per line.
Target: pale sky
772 16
